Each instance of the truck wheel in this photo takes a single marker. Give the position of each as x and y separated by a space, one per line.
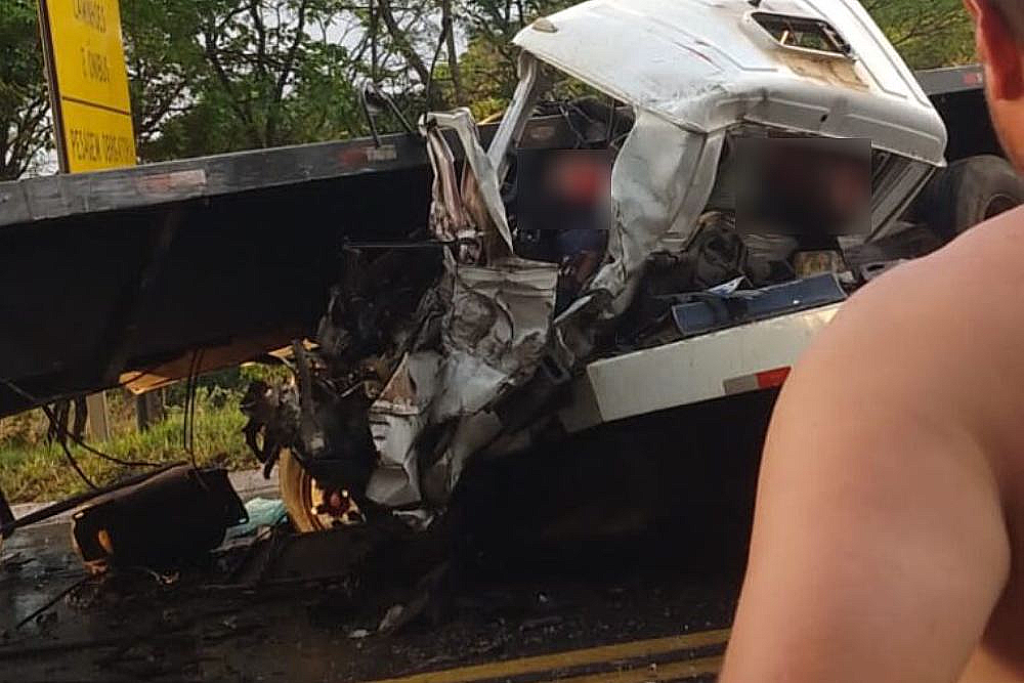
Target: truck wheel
309 505
969 192
298 491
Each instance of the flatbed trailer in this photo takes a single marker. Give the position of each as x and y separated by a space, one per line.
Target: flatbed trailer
115 274
121 275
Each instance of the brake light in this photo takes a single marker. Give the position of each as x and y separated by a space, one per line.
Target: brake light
772 378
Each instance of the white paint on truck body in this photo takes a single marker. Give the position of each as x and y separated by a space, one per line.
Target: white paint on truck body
689 371
705 65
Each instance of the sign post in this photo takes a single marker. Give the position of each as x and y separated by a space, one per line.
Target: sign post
92 116
88 84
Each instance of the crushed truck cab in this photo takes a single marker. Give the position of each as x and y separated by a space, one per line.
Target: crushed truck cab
489 363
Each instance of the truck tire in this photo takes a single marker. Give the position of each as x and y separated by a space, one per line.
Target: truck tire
296 486
969 192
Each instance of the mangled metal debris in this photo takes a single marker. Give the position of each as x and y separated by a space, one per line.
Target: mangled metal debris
494 331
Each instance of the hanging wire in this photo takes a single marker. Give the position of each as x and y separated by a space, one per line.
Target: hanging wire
189 377
192 416
74 464
61 429
188 426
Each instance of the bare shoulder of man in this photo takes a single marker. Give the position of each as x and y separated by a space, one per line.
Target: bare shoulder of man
880 545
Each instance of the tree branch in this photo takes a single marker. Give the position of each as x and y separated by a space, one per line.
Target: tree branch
402 41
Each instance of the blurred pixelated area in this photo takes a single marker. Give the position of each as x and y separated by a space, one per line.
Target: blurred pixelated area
802 186
563 199
564 211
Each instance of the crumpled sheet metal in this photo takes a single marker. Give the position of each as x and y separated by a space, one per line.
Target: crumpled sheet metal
480 190
494 334
397 418
661 183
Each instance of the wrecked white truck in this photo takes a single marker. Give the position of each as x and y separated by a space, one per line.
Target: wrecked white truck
460 332
488 356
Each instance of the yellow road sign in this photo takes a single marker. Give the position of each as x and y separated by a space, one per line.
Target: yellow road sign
88 83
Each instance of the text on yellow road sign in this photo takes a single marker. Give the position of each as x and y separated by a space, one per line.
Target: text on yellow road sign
96 138
91 83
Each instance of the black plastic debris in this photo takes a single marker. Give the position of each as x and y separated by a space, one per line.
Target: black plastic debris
162 522
706 312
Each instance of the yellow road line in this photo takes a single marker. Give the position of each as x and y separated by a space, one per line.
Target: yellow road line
573 658
672 671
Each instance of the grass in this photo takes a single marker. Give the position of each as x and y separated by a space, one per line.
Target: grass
32 469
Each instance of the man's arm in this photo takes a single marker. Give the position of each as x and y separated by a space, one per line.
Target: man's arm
879 546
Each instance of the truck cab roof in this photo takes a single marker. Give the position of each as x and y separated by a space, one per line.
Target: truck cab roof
815 66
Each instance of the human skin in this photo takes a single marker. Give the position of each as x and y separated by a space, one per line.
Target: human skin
888 542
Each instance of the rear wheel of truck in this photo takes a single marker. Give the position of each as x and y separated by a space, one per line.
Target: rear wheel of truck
968 192
310 506
297 492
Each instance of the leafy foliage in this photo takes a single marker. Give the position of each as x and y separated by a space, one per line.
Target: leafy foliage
219 75
34 469
24 104
211 76
927 33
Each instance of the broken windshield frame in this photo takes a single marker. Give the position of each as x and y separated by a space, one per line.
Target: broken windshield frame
894 187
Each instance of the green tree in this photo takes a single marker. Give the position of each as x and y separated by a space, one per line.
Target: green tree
400 46
213 76
487 69
927 33
162 61
25 133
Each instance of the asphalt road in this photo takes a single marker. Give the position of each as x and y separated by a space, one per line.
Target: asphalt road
516 610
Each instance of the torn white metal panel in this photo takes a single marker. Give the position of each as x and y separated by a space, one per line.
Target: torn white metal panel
661 182
706 64
513 123
480 187
495 329
397 418
495 332
470 434
449 220
689 371
493 338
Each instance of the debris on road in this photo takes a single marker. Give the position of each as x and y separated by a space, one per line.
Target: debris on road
261 513
161 522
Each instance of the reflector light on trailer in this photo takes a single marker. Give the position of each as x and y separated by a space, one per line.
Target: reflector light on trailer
767 379
772 378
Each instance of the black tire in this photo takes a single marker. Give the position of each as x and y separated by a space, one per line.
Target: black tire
968 192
